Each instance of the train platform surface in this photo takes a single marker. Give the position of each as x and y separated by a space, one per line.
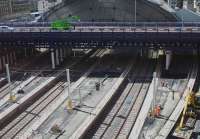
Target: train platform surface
8 106
87 102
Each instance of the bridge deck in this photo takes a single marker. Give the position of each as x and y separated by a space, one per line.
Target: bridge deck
103 35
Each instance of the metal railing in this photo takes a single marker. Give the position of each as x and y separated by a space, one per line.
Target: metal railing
120 24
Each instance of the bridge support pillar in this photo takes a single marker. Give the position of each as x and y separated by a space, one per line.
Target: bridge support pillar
61 55
168 59
3 61
25 52
11 58
64 52
0 65
141 52
14 57
7 58
33 51
52 59
150 53
57 57
69 51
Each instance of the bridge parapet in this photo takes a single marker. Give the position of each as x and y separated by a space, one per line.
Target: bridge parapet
102 24
110 35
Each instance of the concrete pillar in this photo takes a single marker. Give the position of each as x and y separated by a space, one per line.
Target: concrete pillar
154 91
57 57
32 51
14 57
69 51
52 59
64 52
1 67
7 58
3 61
11 58
61 54
168 59
150 53
25 52
141 52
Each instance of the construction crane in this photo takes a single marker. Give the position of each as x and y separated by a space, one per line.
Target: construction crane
189 115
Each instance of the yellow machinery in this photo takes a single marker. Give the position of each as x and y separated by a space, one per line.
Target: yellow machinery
192 101
191 106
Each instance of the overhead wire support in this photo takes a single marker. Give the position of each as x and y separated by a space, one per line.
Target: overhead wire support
12 96
69 100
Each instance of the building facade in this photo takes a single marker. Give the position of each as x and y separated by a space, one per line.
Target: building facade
45 5
172 3
5 7
9 7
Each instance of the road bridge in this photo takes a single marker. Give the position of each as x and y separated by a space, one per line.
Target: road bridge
102 34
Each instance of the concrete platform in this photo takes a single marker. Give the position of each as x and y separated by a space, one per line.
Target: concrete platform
9 107
135 132
164 132
168 101
21 85
92 103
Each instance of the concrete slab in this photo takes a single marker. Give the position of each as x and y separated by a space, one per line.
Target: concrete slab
168 102
20 102
164 132
45 114
20 86
89 120
143 113
71 121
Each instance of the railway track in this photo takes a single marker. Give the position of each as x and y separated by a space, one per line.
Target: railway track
4 88
107 72
32 79
25 118
21 122
21 75
119 118
176 79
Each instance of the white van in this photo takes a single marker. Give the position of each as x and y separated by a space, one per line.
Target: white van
6 28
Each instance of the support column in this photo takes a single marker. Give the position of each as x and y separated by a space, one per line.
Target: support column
154 91
70 51
52 59
141 52
61 54
11 58
57 57
3 61
25 52
168 59
7 58
64 52
32 51
14 57
150 53
1 65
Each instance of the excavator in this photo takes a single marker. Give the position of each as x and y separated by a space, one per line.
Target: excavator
189 116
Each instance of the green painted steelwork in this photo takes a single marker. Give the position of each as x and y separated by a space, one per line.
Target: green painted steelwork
64 24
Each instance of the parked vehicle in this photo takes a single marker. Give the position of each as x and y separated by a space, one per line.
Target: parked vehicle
6 28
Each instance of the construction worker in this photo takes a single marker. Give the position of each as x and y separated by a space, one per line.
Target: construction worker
157 111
